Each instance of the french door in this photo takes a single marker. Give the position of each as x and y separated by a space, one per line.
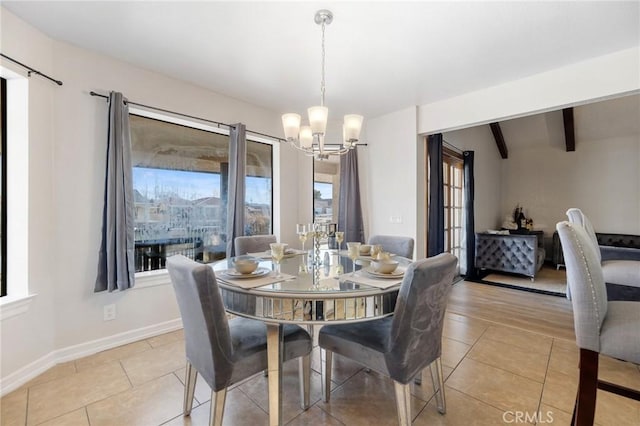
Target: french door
452 170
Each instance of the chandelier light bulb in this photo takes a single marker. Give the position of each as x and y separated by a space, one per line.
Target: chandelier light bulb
318 119
306 137
352 127
291 124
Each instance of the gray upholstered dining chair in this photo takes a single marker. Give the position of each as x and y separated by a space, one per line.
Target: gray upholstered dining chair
602 327
402 246
621 273
253 243
402 345
225 351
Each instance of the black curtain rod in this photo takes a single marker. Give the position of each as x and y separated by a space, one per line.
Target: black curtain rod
31 70
217 123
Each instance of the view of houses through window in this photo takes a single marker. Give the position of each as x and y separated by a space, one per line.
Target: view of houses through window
326 187
180 180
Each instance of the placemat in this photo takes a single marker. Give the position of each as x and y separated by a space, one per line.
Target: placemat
252 282
361 277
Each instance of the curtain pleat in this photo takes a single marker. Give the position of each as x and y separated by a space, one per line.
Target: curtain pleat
350 210
469 214
235 200
435 235
116 262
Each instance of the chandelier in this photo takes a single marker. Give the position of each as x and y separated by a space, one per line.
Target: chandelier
310 139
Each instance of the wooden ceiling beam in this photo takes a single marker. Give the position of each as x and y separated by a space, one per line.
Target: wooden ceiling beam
569 133
497 135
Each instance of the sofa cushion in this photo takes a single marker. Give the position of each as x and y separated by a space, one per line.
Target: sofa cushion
623 272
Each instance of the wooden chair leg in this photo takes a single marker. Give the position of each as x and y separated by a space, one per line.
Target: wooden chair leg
403 403
217 407
190 377
585 408
325 367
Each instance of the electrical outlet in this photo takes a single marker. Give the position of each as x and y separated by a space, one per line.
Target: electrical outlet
109 312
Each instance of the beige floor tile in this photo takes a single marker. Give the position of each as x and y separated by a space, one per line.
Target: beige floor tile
163 339
74 418
343 368
560 390
453 352
151 364
55 372
463 331
152 403
553 416
424 391
51 399
565 344
564 359
257 389
462 410
203 391
367 399
612 409
520 338
238 410
315 416
522 362
13 411
496 387
114 354
619 372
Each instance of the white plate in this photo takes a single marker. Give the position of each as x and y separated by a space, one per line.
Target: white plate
398 273
232 273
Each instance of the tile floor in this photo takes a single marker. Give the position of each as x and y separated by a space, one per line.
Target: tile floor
494 373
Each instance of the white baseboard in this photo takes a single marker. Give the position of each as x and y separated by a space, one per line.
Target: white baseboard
16 379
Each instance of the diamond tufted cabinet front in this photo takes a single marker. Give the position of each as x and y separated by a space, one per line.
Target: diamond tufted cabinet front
514 253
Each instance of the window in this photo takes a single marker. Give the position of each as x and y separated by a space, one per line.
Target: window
452 169
180 180
3 188
326 185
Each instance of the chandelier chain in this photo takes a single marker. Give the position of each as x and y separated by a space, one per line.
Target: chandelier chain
322 85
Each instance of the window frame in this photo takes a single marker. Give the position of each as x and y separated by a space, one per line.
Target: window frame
152 278
3 188
452 162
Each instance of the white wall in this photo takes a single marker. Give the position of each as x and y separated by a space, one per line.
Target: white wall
486 170
602 177
606 76
67 145
388 167
30 336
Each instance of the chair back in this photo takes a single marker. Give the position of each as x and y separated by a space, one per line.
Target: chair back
586 282
253 243
576 216
416 329
206 329
402 246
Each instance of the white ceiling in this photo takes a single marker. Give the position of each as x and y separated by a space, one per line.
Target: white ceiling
381 56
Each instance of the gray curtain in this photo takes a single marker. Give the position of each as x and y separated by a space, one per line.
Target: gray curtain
116 262
235 199
469 214
435 235
350 210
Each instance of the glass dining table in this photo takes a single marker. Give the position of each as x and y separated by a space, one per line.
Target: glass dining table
311 290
